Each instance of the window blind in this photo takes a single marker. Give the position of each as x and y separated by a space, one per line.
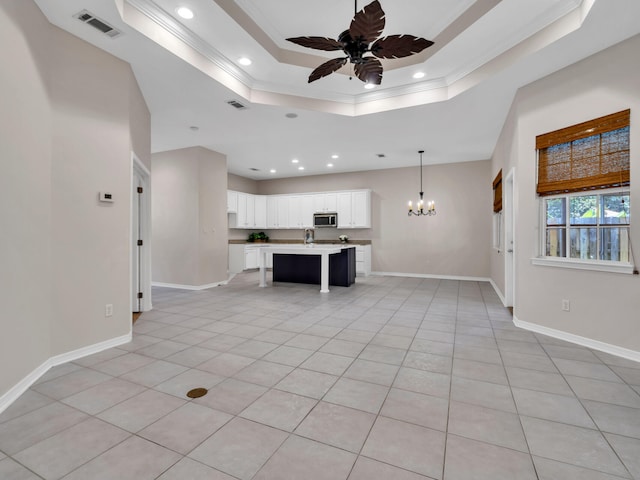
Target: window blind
589 155
497 192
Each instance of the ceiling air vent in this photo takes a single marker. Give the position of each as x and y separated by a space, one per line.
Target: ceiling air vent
90 19
236 104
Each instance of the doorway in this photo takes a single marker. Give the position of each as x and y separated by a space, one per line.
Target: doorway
509 239
140 255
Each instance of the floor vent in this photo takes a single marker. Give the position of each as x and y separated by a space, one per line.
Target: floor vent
90 19
236 104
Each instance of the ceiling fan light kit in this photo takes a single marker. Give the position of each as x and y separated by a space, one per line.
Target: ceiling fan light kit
360 39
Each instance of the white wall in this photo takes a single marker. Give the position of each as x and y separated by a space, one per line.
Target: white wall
189 217
65 135
604 306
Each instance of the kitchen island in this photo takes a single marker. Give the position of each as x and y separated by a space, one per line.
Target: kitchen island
299 263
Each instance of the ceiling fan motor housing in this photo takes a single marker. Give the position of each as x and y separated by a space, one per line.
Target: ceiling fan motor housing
365 29
354 49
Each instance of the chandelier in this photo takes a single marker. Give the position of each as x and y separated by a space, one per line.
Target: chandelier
420 209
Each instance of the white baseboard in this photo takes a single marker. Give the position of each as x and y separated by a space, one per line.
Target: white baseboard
498 292
577 339
426 275
188 287
23 385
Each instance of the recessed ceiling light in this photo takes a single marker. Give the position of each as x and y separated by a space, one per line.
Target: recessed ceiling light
244 61
295 160
300 168
329 165
291 115
418 75
273 170
185 12
369 86
334 156
194 128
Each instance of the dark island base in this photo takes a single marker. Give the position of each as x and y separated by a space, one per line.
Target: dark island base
306 268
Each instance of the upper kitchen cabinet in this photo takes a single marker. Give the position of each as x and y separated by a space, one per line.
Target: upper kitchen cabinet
354 209
260 211
277 211
232 201
300 211
245 216
325 202
250 210
296 210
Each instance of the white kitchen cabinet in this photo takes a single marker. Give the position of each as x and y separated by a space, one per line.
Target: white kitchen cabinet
300 211
325 202
277 211
361 209
259 211
272 211
245 215
363 260
283 211
354 209
244 256
232 201
296 210
250 257
251 211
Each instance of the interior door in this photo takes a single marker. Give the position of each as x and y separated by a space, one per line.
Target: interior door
137 241
509 240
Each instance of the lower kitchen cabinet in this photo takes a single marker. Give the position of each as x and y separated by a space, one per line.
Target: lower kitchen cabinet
244 256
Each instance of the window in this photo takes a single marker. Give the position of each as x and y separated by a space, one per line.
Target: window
588 227
497 231
583 182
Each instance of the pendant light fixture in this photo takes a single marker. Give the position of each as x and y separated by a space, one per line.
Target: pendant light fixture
420 209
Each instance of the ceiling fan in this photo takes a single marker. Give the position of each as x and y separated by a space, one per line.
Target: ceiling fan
359 39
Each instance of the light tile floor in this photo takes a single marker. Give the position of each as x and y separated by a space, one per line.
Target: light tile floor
390 379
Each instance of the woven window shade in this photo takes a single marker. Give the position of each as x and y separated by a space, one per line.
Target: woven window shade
497 192
586 156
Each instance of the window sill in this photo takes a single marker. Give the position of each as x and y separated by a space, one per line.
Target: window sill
594 265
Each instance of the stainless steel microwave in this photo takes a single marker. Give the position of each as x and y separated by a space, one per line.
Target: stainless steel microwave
323 220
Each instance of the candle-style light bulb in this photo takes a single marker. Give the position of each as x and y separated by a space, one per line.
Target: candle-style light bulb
410 206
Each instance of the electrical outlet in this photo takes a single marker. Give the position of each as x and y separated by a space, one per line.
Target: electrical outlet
108 310
566 306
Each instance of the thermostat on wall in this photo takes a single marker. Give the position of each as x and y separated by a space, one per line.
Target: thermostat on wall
106 197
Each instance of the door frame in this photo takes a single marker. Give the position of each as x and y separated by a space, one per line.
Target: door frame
509 238
144 221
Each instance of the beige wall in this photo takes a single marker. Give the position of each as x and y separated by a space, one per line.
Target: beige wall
242 184
604 306
189 205
452 243
25 193
139 124
66 135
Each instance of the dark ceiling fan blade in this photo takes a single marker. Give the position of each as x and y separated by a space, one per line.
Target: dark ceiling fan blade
368 23
319 43
398 46
327 68
369 71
